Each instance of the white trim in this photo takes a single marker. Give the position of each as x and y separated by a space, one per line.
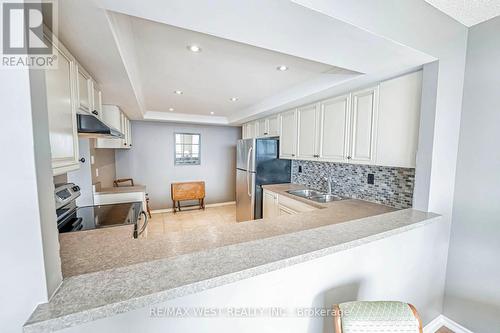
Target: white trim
442 320
218 204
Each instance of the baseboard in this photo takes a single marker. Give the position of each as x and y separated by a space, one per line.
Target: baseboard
441 321
218 204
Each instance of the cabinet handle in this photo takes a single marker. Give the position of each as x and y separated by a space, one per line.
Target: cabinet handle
293 155
349 157
95 112
124 143
266 133
316 156
82 159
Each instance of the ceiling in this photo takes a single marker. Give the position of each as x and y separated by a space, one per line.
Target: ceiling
468 12
137 51
209 79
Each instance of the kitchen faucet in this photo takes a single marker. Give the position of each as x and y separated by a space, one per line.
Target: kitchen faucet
329 183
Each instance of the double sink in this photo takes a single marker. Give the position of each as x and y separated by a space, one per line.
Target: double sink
316 195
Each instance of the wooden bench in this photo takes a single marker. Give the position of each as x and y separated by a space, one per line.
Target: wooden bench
187 191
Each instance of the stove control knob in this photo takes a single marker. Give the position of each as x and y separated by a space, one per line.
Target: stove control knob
76 188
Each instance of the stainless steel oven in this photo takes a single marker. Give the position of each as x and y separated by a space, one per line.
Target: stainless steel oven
71 218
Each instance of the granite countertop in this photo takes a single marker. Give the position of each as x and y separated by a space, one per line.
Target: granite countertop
120 189
212 257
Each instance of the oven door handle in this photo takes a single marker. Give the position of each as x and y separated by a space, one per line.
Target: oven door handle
137 234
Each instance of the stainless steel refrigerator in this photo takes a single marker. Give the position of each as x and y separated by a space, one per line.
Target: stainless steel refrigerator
257 164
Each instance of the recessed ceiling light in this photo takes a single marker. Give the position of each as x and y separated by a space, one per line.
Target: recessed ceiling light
282 68
194 48
178 92
233 99
171 109
212 112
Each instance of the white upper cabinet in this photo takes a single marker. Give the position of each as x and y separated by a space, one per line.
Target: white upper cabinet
288 130
250 130
261 127
61 112
334 129
363 126
96 101
307 129
273 128
374 126
399 120
84 93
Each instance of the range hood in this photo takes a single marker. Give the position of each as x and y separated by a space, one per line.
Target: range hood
92 127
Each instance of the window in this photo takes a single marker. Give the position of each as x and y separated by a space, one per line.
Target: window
187 149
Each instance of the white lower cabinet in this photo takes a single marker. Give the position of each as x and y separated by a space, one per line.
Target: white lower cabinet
62 113
276 205
269 204
288 136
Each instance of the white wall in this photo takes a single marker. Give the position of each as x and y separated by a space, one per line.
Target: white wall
21 252
374 271
472 285
150 161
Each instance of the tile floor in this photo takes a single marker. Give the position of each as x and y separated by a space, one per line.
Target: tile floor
191 219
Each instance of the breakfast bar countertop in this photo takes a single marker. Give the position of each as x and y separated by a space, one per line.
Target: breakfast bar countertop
181 263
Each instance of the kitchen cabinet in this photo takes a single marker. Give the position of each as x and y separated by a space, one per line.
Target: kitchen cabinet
363 126
273 126
378 125
288 134
307 131
275 204
83 90
115 118
334 129
261 127
61 111
249 130
399 121
96 101
269 204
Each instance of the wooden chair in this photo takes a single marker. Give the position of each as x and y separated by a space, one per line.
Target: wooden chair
117 182
367 317
187 191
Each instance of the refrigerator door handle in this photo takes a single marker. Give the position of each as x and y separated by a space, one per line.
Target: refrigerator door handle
249 191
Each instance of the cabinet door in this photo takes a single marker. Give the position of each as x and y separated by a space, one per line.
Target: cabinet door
97 102
83 84
288 136
307 120
62 114
250 130
129 133
399 104
262 127
363 126
269 204
334 129
273 126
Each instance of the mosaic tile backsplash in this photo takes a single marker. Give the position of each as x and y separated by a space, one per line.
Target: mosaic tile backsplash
392 186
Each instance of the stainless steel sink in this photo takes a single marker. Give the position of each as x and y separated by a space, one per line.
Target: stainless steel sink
326 198
316 195
306 193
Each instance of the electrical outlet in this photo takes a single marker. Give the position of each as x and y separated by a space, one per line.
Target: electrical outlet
371 178
92 159
96 172
300 168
